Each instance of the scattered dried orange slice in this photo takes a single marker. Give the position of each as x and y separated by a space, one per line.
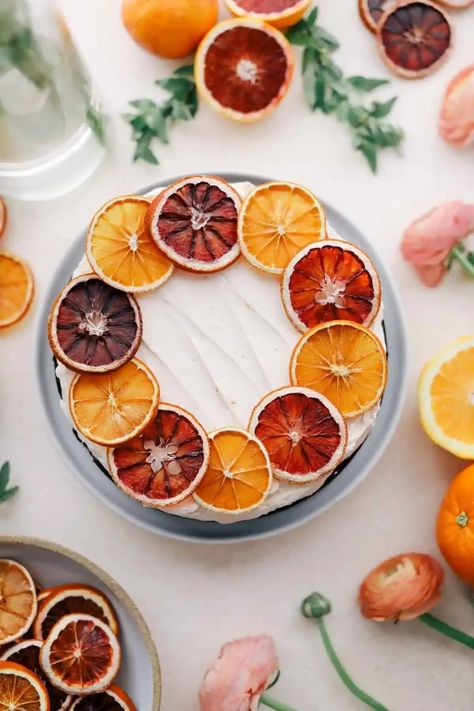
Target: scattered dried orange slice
371 12
278 13
17 601
112 699
21 689
111 408
304 434
328 281
239 475
345 362
120 248
276 221
16 289
3 215
166 462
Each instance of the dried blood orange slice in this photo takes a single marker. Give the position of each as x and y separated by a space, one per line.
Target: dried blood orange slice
16 289
278 13
111 408
414 38
121 250
276 221
371 12
112 699
194 222
21 689
17 601
243 68
239 475
166 462
81 655
304 434
328 281
3 215
345 362
93 327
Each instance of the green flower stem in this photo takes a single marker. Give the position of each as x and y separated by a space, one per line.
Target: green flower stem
274 704
447 630
458 254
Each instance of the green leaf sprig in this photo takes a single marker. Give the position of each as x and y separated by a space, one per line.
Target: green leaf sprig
19 47
152 121
328 90
6 492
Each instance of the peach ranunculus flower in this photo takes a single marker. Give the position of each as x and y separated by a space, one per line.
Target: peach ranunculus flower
401 588
456 120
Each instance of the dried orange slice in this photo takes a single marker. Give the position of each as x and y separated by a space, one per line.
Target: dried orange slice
328 281
304 434
16 289
243 68
81 655
120 248
371 12
239 475
345 362
276 221
111 408
3 216
166 462
112 699
194 222
21 689
17 601
93 327
278 13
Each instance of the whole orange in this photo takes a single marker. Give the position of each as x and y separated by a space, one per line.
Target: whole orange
169 28
455 525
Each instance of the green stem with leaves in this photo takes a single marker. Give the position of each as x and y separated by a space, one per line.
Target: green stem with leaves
465 259
272 703
448 630
6 492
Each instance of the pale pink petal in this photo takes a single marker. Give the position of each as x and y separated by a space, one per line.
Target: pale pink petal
456 121
431 275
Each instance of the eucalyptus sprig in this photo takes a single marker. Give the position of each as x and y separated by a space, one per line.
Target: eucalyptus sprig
19 47
6 492
152 121
328 90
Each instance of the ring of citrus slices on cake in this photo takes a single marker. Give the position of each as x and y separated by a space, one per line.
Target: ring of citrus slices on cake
219 348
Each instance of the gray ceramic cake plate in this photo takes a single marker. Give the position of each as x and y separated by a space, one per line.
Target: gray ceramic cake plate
359 465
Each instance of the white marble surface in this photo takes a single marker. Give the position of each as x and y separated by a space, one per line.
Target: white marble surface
196 597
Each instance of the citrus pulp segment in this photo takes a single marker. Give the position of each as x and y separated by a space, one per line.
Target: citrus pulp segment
18 601
112 699
21 690
16 289
278 13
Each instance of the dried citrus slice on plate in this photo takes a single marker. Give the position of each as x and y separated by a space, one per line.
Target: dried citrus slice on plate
120 248
21 689
94 327
16 289
111 408
239 475
194 222
371 12
304 434
278 13
328 281
17 601
166 462
112 699
243 68
276 221
446 397
345 362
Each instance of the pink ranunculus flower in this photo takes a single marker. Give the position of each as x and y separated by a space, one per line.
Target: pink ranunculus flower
456 120
240 675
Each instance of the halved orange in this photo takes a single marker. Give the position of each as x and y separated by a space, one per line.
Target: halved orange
17 601
111 408
278 13
121 250
16 289
304 434
112 699
239 475
328 281
81 655
345 362
3 215
276 221
21 689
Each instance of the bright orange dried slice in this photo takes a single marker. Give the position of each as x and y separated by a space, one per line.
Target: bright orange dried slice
239 475
120 249
17 601
328 281
21 689
111 408
278 13
3 216
166 462
16 289
276 221
81 655
304 434
112 699
345 362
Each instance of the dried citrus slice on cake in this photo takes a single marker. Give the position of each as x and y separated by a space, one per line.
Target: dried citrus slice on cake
112 699
278 13
111 408
81 655
16 289
239 475
345 362
243 68
120 249
328 281
21 689
371 11
304 434
166 462
194 222
17 601
276 221
94 327
446 397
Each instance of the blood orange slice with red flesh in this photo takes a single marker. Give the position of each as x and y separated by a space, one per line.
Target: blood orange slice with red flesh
328 281
304 434
371 12
278 13
194 222
112 699
166 462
